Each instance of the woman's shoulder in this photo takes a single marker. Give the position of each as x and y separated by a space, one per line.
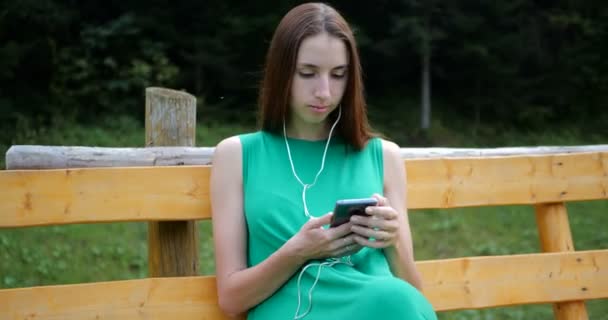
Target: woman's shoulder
236 145
386 147
235 142
228 148
391 153
390 147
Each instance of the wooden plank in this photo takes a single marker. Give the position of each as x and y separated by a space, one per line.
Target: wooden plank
453 284
436 152
149 299
449 183
19 157
483 282
22 157
555 236
46 197
43 197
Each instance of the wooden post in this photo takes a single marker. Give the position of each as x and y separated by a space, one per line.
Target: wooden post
171 121
555 236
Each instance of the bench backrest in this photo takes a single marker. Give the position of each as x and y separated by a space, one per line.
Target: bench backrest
96 195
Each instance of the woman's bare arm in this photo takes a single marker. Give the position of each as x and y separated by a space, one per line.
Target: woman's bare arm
401 255
239 287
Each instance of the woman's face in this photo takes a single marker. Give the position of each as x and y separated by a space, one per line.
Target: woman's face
320 78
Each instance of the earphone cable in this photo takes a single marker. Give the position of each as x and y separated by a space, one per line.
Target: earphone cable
306 186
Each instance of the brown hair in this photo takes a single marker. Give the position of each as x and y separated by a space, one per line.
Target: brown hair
300 22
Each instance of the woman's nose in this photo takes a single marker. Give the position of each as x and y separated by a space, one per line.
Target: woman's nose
322 90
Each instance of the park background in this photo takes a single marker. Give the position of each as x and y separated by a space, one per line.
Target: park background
463 73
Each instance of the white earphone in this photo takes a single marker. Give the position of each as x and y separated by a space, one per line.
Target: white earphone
305 186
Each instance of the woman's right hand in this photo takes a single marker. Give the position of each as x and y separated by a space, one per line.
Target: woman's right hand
315 242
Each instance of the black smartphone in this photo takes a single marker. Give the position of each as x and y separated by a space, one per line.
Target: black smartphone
346 208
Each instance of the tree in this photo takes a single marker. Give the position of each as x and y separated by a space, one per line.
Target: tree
416 25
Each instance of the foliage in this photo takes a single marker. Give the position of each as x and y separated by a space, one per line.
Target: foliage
113 59
518 62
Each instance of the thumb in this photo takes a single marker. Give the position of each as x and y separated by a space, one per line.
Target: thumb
319 222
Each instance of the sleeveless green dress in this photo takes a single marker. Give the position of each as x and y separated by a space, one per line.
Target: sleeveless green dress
274 213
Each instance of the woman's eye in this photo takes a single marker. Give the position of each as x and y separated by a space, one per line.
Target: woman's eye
338 75
306 74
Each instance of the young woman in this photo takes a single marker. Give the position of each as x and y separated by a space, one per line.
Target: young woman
271 191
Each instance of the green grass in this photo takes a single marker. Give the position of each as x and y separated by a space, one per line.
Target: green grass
101 252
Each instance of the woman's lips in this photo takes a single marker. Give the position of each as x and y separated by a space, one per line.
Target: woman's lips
319 108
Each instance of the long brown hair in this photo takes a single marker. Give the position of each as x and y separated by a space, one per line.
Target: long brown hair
300 22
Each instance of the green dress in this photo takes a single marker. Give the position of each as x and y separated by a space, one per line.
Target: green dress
274 213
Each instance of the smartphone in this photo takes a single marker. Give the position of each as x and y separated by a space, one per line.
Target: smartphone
346 208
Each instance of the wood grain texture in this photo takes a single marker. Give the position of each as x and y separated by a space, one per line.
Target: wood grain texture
172 249
62 157
153 298
49 197
44 197
554 227
452 284
171 121
463 182
19 157
482 282
555 236
170 118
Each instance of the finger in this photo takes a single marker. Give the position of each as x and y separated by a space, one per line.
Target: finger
378 235
387 213
348 250
319 222
375 222
341 243
340 231
372 244
382 201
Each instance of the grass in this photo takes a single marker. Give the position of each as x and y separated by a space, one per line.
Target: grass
101 252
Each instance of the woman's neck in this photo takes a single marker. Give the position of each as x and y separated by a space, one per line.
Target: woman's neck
308 131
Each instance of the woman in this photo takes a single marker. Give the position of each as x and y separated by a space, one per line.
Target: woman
275 256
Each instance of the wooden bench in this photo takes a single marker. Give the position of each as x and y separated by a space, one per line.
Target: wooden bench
559 275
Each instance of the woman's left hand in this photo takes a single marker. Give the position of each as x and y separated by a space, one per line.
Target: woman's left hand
381 224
